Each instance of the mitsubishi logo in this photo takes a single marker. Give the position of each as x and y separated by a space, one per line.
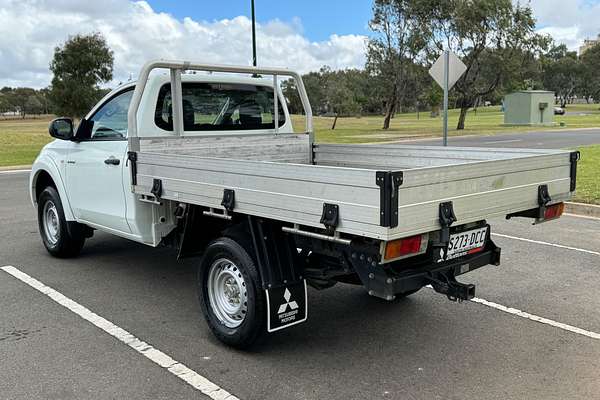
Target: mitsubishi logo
287 296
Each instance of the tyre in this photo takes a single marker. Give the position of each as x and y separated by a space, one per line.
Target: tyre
60 239
230 294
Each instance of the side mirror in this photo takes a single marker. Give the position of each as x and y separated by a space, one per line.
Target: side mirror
61 128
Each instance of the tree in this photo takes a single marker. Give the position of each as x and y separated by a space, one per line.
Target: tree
4 103
79 66
339 96
401 30
492 37
19 98
33 105
344 92
562 73
590 74
433 96
44 97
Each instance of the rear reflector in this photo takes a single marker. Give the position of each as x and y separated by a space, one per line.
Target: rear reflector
554 211
403 247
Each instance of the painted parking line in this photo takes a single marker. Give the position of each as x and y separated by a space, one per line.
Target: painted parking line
176 368
537 318
560 246
582 216
533 317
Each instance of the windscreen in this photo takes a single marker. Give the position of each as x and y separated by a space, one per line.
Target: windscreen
219 106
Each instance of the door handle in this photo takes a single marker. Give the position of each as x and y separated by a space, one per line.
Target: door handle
112 161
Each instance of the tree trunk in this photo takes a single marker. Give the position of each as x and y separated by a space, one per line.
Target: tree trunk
563 102
334 121
389 112
462 117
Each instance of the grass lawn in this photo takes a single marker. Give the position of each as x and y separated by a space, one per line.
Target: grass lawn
22 139
588 175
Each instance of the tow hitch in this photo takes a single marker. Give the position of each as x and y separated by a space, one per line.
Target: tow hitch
453 289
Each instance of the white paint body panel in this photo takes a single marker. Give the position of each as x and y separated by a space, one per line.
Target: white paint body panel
96 190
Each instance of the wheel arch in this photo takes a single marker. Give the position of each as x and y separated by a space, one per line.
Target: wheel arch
44 175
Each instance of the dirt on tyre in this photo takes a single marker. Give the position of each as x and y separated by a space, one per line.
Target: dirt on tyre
230 294
59 238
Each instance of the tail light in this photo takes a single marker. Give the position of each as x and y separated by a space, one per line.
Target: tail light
554 211
405 247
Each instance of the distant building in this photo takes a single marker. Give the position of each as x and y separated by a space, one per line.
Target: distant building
588 43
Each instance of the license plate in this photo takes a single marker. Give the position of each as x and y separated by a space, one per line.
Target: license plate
463 243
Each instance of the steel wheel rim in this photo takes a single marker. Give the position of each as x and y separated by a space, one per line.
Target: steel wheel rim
51 222
227 293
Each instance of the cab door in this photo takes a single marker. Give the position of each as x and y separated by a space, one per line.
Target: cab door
96 166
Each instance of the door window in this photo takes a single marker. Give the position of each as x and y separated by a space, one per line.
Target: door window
110 121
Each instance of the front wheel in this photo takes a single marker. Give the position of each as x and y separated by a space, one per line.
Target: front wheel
59 239
230 294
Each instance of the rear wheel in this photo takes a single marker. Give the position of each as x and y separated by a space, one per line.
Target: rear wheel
60 239
230 294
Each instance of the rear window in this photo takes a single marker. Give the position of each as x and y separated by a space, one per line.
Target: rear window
219 107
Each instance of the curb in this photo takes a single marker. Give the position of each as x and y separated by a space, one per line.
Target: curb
15 168
586 210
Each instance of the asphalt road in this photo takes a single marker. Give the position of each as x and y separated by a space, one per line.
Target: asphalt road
558 139
352 347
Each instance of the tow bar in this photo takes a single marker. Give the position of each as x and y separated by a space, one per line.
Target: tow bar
454 290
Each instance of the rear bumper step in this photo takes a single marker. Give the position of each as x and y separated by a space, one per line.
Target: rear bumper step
386 283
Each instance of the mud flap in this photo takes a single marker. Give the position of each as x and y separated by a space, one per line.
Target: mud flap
286 306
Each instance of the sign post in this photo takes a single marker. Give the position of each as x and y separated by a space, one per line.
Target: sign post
446 89
253 34
446 71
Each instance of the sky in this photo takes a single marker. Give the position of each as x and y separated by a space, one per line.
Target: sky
301 35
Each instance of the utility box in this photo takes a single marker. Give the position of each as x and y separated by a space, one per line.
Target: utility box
529 107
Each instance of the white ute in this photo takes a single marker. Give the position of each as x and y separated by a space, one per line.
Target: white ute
209 163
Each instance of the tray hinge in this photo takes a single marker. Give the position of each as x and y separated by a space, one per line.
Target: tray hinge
543 200
388 183
156 188
228 199
132 157
575 156
447 218
330 216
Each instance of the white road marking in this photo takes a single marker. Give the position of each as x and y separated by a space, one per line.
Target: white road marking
505 141
533 317
582 216
536 318
560 246
15 171
184 373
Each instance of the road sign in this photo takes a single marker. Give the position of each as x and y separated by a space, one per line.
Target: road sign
446 71
456 68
